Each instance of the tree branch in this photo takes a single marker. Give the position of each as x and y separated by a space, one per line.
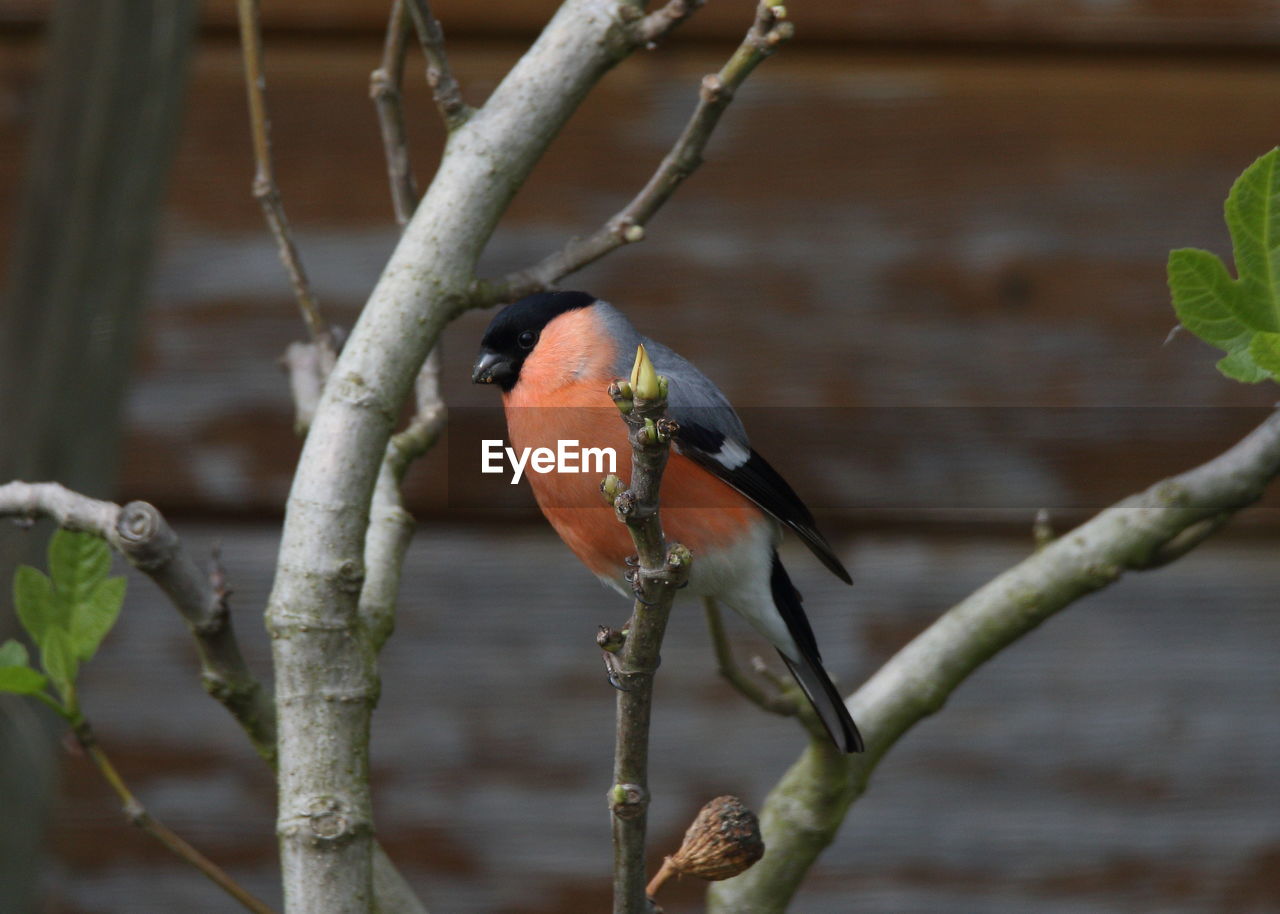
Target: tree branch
324 661
384 89
308 364
767 32
265 188
659 573
390 524
139 533
139 816
444 87
803 811
661 21
144 538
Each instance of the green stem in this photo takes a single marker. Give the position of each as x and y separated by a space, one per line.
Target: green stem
139 816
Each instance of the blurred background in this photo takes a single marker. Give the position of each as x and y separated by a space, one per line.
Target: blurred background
926 254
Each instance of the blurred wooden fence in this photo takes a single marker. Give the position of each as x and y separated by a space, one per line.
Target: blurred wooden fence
927 253
917 205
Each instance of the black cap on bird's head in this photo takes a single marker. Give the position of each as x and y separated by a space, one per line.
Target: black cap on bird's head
514 332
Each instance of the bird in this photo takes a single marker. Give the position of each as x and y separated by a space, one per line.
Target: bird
553 356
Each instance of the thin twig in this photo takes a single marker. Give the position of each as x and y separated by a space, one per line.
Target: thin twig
384 89
444 86
732 673
662 569
144 820
805 809
767 32
141 534
265 188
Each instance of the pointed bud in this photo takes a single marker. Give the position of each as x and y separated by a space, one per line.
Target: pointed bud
644 377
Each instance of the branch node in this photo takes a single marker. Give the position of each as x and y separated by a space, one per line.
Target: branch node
713 89
610 639
628 801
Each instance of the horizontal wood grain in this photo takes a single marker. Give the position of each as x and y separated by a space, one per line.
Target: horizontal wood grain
869 234
1240 24
1117 760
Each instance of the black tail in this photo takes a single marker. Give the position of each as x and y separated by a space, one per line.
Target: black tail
808 670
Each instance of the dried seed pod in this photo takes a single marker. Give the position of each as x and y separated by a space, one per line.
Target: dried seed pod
723 841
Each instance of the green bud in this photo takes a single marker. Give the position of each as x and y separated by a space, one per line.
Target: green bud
611 487
644 377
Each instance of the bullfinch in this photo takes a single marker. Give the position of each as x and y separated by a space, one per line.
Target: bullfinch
553 355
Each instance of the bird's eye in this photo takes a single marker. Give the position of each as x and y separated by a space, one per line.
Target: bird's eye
527 339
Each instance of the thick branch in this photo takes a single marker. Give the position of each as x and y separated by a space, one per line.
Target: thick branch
628 224
660 571
140 534
444 87
324 657
804 810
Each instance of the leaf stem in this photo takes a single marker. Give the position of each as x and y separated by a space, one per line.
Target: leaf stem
139 816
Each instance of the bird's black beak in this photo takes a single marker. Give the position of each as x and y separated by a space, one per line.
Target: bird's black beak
491 368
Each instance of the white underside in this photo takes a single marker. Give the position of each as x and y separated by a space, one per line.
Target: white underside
738 577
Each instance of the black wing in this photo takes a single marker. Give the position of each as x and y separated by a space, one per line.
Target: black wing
749 473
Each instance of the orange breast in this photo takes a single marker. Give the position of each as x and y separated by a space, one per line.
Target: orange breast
698 509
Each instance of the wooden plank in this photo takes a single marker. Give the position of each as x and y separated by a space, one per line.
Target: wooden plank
1082 770
1167 23
869 237
1125 23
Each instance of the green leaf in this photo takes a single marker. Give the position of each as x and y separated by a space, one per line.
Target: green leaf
13 653
16 674
1238 315
1240 366
77 562
95 616
21 680
1264 349
33 598
1253 217
58 658
69 613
